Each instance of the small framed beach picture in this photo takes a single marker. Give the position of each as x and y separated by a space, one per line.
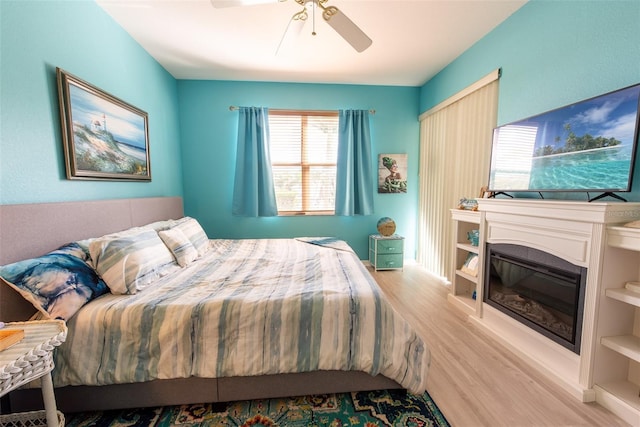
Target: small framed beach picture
392 173
103 136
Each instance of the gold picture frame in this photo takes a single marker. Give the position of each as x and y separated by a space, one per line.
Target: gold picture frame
103 136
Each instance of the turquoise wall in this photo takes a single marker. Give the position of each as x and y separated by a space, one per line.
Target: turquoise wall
208 136
79 37
552 53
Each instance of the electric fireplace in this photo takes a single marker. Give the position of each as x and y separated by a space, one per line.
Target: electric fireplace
538 289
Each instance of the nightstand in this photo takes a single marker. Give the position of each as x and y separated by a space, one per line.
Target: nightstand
30 359
386 252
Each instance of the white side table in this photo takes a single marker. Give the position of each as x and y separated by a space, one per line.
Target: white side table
32 358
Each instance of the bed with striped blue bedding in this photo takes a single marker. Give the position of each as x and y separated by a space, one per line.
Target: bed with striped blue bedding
247 307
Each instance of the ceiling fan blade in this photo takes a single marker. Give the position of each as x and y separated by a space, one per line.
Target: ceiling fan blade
346 28
233 3
294 28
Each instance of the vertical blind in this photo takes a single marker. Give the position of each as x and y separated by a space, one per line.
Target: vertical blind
455 151
304 147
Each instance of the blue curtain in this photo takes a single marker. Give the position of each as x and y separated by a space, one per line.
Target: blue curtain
354 177
253 191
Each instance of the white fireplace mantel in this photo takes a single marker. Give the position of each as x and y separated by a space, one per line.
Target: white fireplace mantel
575 231
580 211
566 229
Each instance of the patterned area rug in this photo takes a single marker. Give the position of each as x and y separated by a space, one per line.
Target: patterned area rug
393 408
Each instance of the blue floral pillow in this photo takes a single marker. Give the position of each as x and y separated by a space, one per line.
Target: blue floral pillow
58 283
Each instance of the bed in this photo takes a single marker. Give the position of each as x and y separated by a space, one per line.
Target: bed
191 351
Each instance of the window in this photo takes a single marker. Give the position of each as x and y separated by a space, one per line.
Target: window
304 153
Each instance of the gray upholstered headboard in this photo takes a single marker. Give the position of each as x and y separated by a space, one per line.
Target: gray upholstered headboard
31 230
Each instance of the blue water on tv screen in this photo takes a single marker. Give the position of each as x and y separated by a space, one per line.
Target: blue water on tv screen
586 146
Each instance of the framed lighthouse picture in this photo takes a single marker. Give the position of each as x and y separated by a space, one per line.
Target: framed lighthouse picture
103 136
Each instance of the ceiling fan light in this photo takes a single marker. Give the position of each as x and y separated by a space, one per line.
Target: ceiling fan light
346 28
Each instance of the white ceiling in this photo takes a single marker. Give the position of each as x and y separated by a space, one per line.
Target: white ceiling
412 39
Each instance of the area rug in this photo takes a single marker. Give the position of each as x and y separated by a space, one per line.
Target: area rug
393 408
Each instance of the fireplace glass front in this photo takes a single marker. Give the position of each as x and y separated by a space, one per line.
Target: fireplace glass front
537 289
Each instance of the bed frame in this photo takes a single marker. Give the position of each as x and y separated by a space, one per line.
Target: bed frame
31 230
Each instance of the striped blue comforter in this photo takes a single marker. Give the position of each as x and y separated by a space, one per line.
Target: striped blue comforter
248 307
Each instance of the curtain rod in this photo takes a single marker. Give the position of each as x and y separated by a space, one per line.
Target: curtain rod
234 107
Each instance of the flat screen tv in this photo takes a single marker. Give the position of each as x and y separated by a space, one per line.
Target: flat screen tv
588 146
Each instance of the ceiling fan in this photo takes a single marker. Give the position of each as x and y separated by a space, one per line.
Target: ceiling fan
331 14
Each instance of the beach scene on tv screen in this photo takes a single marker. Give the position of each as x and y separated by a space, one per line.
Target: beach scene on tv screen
588 145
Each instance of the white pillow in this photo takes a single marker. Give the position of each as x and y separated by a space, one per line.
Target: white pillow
179 245
131 261
164 224
195 233
86 243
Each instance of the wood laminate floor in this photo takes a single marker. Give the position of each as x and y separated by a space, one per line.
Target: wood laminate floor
473 379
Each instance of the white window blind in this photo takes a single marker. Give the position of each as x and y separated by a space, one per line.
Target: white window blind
304 152
455 151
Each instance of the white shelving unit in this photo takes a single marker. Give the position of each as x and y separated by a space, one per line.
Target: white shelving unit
617 358
590 235
464 284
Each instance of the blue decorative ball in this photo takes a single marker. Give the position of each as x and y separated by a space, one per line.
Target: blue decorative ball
386 226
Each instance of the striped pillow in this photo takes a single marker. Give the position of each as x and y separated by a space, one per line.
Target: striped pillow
194 232
130 262
161 225
179 245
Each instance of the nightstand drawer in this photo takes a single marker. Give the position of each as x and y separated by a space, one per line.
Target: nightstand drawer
388 261
390 246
